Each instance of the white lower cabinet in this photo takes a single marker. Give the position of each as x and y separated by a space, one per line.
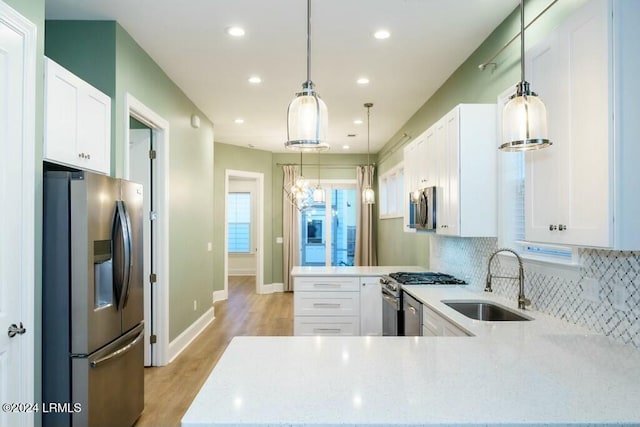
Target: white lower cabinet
337 305
434 325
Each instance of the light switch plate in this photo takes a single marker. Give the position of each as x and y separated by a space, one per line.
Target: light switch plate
279 240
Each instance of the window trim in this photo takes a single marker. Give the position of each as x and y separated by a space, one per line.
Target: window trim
396 171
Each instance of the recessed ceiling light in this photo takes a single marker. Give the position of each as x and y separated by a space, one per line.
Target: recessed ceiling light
345 147
381 34
235 31
239 121
357 122
363 81
255 80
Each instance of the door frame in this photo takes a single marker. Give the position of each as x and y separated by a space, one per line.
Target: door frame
161 132
261 288
28 30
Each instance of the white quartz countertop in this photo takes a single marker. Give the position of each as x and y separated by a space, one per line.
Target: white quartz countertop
352 271
541 372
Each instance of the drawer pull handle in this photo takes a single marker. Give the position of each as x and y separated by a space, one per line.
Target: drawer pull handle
327 285
326 305
328 330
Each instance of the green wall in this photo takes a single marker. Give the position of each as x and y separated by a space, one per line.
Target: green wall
466 85
102 53
33 10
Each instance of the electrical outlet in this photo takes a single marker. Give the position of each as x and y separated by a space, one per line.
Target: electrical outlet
279 240
620 296
590 289
209 246
195 305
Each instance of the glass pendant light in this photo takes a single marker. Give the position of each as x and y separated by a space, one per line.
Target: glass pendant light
368 195
524 118
307 120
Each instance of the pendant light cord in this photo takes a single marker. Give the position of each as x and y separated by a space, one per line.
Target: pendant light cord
308 40
522 40
368 132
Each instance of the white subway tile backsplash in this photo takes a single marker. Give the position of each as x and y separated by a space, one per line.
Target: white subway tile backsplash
604 297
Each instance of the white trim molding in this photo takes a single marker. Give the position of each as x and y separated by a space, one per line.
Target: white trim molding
161 128
273 288
182 341
220 295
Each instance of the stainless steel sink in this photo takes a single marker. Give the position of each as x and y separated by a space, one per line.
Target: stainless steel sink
485 310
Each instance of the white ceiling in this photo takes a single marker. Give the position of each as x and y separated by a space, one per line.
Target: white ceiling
429 40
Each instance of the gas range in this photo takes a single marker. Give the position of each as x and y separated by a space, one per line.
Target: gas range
393 282
393 322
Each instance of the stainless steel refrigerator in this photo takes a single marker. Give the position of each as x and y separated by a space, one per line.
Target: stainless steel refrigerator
93 356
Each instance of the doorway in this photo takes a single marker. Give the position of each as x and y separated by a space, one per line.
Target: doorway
244 231
146 162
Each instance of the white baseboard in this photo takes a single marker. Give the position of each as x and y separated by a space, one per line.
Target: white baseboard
220 295
183 340
241 272
272 288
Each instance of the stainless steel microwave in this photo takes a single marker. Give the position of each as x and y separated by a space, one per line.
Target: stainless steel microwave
425 209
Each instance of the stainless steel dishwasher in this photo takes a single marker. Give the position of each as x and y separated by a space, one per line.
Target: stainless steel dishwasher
412 315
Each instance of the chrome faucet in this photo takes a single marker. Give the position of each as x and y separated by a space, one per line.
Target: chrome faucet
522 301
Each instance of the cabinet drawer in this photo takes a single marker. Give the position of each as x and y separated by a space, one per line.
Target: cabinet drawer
339 325
326 303
328 283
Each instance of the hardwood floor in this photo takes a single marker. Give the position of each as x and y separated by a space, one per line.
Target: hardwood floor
169 390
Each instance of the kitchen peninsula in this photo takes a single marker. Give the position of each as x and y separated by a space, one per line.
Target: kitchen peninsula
543 371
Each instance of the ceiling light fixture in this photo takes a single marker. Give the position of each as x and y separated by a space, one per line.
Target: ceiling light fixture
255 80
300 195
238 121
368 195
381 34
307 120
363 81
357 122
524 118
345 147
235 31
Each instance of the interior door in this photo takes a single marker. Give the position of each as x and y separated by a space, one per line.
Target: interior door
141 170
17 188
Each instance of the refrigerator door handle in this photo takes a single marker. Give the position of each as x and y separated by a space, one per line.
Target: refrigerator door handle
121 279
117 353
129 261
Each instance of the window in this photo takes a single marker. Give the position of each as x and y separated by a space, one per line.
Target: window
511 215
328 230
239 222
391 187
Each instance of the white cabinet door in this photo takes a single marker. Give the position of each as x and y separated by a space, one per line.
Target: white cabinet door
409 160
370 306
448 212
567 185
465 151
77 121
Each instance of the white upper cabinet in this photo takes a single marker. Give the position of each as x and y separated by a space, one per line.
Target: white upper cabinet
465 155
583 189
77 121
